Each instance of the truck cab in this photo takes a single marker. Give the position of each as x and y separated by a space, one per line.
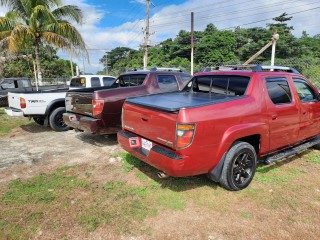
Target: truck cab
223 122
88 81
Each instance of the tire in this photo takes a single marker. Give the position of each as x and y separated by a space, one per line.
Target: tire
239 166
56 120
39 120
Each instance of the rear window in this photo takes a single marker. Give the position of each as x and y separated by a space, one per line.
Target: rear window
167 83
95 82
8 84
108 81
78 82
132 80
226 85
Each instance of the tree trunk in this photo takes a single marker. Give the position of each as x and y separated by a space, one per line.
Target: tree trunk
37 53
1 69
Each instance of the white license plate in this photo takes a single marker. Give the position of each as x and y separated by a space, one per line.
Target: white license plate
146 144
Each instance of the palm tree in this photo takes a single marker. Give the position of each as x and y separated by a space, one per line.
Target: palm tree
39 22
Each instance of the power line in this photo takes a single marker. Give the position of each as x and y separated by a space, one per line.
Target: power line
263 20
242 11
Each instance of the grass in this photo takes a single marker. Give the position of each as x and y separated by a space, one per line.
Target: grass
314 158
122 206
8 123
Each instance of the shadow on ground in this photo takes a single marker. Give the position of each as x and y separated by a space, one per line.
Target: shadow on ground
32 127
173 183
98 140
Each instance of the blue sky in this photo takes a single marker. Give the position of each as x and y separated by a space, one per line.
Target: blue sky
112 23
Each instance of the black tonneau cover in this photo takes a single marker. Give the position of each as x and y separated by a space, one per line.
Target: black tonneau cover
173 102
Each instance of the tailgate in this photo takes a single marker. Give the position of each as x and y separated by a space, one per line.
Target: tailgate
151 124
14 100
79 102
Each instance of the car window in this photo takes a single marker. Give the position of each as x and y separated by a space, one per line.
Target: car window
108 81
226 85
167 83
305 92
78 82
132 80
278 90
25 83
95 82
8 84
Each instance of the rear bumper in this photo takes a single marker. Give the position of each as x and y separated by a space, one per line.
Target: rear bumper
159 157
13 112
87 124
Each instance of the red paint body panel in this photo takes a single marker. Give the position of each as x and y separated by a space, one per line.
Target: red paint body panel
218 125
109 121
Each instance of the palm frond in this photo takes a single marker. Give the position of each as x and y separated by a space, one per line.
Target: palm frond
41 16
15 6
6 24
4 34
20 33
69 12
66 30
56 39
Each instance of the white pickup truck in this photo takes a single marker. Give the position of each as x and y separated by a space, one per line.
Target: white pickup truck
47 106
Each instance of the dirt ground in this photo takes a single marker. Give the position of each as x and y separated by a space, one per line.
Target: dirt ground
34 149
275 206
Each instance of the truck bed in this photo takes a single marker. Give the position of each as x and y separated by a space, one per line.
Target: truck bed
34 91
173 102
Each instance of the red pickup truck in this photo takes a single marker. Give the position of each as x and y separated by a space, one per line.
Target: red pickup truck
99 111
223 122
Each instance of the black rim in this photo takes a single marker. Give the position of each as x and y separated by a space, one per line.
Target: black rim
243 167
59 120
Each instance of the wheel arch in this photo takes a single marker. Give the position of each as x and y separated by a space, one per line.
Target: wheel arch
55 104
255 134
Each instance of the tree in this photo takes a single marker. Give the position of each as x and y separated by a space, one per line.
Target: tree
51 65
218 46
38 22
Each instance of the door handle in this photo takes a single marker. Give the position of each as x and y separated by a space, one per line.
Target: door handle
304 113
274 117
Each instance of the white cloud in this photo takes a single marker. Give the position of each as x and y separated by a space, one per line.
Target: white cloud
168 21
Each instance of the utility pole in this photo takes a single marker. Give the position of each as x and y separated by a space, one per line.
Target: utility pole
146 39
107 63
192 40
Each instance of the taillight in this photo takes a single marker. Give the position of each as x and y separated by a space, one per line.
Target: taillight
184 135
97 106
23 103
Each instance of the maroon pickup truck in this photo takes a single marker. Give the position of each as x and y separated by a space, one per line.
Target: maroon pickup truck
99 111
223 123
